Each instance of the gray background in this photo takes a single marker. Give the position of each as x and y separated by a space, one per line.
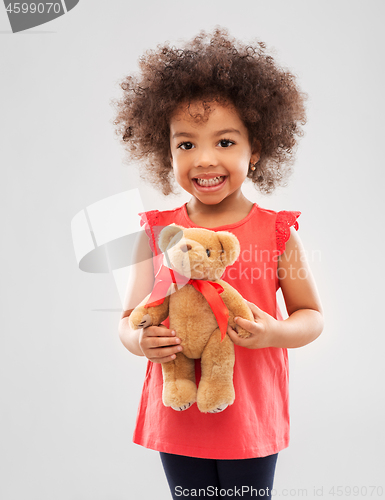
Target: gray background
69 389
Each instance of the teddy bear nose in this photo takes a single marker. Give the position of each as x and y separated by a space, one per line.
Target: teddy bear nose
185 248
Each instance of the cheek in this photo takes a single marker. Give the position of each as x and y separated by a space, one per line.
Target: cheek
244 164
180 170
240 161
239 173
179 177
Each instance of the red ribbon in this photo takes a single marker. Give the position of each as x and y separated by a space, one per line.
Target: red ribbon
209 289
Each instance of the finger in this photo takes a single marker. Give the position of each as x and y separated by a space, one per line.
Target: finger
250 326
234 336
161 352
159 355
158 331
166 359
157 342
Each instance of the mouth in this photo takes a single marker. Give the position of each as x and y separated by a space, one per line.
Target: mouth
209 184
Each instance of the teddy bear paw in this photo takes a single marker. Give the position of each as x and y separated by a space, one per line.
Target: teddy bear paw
242 333
179 394
219 408
214 396
181 408
146 321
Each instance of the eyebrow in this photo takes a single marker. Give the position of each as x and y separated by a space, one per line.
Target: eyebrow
218 133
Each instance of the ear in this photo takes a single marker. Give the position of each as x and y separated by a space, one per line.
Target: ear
256 152
167 234
230 246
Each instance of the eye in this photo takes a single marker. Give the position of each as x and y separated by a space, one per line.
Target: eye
208 252
186 145
225 143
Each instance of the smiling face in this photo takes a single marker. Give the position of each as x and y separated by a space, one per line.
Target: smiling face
210 157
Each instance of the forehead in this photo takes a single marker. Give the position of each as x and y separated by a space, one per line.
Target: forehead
202 113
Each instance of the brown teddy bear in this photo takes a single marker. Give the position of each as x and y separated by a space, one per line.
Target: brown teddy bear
200 306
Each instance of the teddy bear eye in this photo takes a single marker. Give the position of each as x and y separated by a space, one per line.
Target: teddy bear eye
208 252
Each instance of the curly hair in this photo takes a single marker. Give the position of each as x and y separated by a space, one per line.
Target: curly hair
211 67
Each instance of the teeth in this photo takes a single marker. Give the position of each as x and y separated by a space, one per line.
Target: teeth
210 182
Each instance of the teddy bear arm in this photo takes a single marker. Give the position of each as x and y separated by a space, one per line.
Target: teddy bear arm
142 317
237 306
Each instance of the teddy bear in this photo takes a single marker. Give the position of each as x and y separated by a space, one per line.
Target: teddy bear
200 305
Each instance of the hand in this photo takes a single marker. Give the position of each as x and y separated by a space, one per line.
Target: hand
263 329
159 344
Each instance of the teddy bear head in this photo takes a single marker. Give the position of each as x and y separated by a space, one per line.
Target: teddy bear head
198 253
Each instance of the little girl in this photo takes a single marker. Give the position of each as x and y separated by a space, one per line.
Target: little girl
208 116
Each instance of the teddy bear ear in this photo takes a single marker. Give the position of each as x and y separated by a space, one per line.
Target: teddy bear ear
231 247
167 234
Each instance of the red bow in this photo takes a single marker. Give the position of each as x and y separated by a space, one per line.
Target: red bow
209 289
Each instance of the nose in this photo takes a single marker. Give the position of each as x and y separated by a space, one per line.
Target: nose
206 158
185 248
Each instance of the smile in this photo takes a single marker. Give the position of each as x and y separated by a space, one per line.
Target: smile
215 181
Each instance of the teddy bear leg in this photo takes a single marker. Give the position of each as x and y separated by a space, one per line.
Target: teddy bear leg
216 389
179 388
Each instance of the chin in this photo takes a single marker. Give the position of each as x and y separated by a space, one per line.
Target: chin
210 200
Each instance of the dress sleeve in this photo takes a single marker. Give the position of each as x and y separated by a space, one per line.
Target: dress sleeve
284 221
149 220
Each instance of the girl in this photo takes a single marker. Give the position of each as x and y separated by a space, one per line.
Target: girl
210 115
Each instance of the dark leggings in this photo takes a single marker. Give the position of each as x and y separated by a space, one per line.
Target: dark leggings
219 478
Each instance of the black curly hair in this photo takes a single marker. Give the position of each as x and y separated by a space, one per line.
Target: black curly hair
211 67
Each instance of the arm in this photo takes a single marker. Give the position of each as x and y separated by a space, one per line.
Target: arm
303 304
152 341
305 321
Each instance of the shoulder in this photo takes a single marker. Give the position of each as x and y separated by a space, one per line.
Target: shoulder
286 224
281 216
277 223
154 221
157 217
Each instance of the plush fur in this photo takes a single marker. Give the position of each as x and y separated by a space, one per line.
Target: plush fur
199 254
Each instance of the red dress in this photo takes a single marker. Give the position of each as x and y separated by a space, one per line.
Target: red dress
257 423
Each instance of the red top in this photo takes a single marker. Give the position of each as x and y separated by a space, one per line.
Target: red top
257 423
